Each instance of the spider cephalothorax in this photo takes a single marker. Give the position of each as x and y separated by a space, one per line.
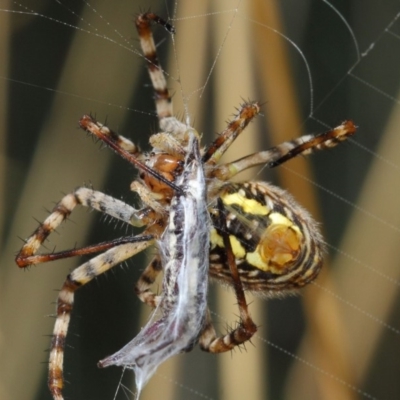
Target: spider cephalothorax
260 239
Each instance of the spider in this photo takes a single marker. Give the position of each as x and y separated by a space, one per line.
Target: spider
260 239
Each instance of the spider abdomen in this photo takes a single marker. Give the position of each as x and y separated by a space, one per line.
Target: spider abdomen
276 244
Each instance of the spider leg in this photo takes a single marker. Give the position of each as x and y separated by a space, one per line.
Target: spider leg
308 143
79 277
168 143
85 197
113 140
83 251
235 127
147 196
246 328
161 94
279 154
146 280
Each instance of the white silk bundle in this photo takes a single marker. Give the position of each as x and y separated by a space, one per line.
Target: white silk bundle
178 320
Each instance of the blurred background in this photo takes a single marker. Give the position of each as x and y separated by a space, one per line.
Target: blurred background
312 64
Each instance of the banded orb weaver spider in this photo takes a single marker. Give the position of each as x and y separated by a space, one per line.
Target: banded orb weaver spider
261 240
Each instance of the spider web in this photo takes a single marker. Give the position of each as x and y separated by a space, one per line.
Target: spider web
339 338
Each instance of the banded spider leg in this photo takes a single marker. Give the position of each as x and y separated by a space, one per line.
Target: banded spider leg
113 252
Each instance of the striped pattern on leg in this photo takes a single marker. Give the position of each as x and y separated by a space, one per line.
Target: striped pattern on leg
210 342
162 96
79 277
146 280
277 155
85 197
